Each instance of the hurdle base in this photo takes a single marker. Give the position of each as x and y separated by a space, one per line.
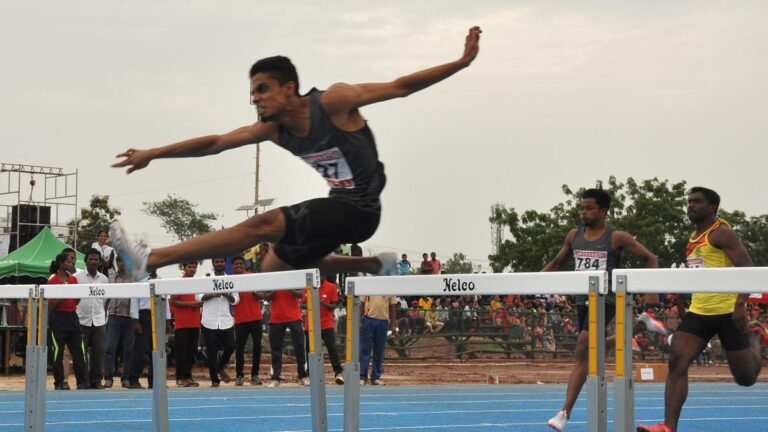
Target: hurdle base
351 397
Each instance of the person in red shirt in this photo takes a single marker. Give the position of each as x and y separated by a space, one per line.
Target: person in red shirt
65 326
285 314
248 323
186 316
329 298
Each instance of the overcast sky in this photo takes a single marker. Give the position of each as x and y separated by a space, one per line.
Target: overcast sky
562 92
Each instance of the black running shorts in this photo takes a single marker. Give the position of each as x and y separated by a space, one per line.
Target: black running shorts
582 313
706 326
315 228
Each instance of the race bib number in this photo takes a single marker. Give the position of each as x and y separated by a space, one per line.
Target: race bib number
334 168
590 260
695 262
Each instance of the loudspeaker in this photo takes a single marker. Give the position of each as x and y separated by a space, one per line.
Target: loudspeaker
26 222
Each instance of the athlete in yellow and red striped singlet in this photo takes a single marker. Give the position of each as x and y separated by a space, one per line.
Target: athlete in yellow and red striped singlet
712 244
701 254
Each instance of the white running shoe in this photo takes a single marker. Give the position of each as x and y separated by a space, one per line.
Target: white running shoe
388 262
339 379
652 324
304 382
134 256
274 383
559 421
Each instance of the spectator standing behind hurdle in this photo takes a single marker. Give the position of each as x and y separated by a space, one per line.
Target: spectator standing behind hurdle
426 265
93 320
248 323
119 329
329 298
217 325
378 311
186 316
285 315
65 326
141 315
108 255
404 266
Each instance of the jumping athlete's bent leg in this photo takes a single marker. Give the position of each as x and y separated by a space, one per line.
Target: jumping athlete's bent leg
269 226
265 227
381 264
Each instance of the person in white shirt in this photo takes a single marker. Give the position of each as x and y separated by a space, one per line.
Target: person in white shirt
93 320
218 326
108 254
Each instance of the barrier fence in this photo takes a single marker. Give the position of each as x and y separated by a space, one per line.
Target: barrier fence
594 284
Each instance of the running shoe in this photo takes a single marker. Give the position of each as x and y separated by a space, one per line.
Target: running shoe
134 256
239 381
304 382
339 379
661 427
759 328
652 324
559 421
274 383
388 262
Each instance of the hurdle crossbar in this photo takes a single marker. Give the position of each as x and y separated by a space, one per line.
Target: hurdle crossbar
294 279
592 283
730 280
105 291
561 283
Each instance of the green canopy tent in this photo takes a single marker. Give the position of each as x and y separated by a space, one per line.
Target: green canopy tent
32 260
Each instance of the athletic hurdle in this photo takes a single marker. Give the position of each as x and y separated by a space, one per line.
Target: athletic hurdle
252 282
34 352
591 283
669 281
72 291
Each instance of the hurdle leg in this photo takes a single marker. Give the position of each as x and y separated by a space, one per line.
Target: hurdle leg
30 372
42 363
597 395
159 362
624 383
315 361
352 367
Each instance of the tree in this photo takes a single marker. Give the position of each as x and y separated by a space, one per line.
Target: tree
459 264
179 217
651 210
753 232
94 218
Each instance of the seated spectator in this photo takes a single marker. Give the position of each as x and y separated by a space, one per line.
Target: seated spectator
425 304
432 321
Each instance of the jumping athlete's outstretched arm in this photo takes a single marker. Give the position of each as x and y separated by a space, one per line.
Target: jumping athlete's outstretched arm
136 159
345 98
562 254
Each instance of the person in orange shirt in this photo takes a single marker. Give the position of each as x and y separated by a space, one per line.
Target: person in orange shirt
186 317
329 298
248 324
